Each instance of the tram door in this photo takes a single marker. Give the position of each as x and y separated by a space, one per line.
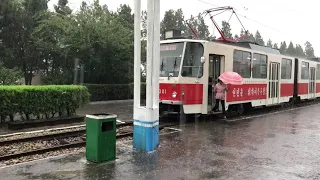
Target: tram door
273 93
216 67
312 83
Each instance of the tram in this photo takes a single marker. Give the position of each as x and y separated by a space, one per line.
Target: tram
189 68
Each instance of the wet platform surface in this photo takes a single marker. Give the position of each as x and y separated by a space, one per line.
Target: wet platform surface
278 146
123 109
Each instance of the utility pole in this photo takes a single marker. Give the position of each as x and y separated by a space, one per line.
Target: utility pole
146 119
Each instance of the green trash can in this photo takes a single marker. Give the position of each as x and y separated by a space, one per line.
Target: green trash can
101 137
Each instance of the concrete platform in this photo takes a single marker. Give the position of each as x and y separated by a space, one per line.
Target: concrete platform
278 146
123 109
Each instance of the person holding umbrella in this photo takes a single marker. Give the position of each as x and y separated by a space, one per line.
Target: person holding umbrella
220 89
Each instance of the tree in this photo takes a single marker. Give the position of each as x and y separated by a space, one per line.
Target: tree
9 76
275 46
51 38
173 20
309 50
169 20
34 39
259 39
299 51
144 37
291 50
203 29
179 17
16 33
194 25
248 38
283 47
226 29
100 39
125 16
62 7
144 24
269 43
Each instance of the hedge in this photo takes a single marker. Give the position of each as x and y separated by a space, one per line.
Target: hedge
37 101
105 92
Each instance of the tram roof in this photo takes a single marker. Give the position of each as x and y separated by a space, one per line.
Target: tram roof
248 45
182 40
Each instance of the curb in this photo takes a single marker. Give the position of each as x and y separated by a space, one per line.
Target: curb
110 102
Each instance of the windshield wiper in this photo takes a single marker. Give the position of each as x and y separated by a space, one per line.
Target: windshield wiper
161 66
174 66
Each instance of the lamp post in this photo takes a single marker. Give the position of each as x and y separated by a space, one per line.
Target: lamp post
146 119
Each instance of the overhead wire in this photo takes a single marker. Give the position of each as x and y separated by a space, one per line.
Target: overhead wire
243 17
230 16
287 34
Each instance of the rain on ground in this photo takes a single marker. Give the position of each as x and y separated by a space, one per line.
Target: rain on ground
284 145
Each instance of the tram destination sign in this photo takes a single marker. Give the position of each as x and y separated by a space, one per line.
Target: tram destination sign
168 47
171 49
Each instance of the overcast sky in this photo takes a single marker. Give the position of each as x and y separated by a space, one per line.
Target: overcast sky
275 19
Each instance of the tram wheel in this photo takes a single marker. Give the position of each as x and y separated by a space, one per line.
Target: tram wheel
185 117
240 109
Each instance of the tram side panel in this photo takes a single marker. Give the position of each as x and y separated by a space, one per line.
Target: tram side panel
303 79
254 90
312 80
318 80
295 80
287 79
306 79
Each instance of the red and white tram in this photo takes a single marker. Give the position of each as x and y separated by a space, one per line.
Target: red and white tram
188 68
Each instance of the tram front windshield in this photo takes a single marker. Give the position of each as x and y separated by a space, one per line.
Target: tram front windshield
171 58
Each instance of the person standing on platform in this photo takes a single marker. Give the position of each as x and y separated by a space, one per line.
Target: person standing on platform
220 90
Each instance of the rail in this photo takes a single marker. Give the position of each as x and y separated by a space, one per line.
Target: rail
63 144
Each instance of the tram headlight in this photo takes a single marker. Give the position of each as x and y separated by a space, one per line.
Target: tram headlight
174 94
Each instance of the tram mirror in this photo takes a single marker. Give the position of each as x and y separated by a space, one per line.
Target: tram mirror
202 60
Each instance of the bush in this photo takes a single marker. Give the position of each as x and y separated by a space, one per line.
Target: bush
105 92
41 100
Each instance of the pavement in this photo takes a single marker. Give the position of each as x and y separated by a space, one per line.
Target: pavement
284 146
123 109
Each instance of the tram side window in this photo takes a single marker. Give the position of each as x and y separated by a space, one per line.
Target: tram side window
192 66
304 70
318 71
242 63
286 68
259 66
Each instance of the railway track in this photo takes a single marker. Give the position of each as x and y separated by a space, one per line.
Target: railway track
80 134
73 133
60 137
269 110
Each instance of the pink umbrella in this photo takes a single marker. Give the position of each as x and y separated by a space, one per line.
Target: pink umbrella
231 78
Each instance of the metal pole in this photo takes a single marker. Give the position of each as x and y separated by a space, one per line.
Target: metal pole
156 55
81 74
137 52
150 43
76 64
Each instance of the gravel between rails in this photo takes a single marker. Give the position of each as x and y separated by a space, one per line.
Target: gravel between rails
51 131
25 135
39 144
